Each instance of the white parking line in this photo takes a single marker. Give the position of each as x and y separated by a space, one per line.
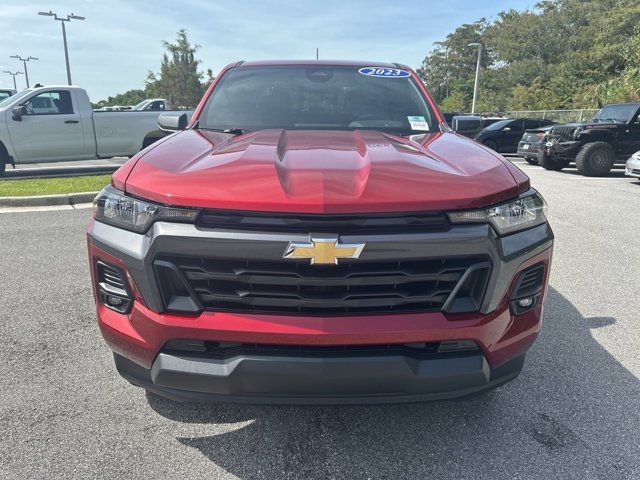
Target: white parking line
47 208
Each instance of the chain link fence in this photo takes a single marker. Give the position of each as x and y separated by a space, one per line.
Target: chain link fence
559 116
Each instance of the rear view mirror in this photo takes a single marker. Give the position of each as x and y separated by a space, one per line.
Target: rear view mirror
466 124
173 122
18 112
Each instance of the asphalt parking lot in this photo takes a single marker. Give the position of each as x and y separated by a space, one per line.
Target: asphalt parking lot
573 413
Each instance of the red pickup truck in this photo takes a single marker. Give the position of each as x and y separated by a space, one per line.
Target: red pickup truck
318 234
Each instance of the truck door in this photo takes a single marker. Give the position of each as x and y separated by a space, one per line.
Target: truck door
513 135
629 141
50 129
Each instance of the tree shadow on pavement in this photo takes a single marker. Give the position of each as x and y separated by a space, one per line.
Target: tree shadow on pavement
573 413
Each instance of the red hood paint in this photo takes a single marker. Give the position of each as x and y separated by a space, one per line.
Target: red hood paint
319 171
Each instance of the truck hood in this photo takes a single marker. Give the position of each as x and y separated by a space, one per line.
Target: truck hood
590 124
319 171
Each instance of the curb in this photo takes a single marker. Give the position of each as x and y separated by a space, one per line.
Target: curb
48 200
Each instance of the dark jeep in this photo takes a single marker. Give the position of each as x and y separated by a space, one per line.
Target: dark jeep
612 135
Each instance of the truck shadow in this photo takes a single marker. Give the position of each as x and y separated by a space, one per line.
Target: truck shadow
573 412
617 171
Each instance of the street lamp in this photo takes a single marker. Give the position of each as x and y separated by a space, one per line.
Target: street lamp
13 74
24 62
475 85
62 20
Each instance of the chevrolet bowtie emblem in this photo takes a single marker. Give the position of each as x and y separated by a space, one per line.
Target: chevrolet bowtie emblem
323 251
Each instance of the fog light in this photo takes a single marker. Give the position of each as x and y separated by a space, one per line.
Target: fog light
115 301
113 290
525 302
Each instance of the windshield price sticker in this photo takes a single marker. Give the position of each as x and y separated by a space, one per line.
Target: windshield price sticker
418 123
384 72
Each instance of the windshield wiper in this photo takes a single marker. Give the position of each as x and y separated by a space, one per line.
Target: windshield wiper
232 131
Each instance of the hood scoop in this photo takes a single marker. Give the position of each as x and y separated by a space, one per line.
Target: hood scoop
305 166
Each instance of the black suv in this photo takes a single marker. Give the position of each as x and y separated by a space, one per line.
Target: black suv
612 135
503 136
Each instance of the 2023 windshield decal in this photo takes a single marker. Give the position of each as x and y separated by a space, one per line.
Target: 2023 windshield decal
384 72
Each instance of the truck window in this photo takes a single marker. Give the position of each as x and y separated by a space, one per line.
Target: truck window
57 102
320 98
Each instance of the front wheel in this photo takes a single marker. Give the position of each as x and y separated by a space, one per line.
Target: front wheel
531 160
595 159
549 163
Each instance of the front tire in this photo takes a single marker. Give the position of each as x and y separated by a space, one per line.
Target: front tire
549 163
531 160
595 159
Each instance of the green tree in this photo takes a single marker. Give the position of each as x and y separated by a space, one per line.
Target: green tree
560 54
130 97
178 80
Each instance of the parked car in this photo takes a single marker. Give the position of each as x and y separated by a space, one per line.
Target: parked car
51 124
6 93
503 136
211 283
595 146
152 104
632 167
531 143
486 121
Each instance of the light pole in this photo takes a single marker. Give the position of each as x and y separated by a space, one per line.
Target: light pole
475 85
24 62
13 74
62 20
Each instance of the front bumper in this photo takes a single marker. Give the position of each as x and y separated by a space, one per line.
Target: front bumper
138 338
561 150
632 168
295 380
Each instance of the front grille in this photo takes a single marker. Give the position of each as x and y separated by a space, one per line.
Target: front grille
363 287
565 133
344 224
226 350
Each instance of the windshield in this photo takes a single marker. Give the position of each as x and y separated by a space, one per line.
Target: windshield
140 105
315 97
17 96
617 113
499 125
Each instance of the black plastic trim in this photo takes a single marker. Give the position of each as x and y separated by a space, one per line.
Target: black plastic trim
300 381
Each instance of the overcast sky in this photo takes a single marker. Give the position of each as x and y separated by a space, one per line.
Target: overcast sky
120 41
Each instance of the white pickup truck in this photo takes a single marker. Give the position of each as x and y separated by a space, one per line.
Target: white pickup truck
56 124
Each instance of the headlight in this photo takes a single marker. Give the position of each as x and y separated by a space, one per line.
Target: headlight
636 156
520 214
115 208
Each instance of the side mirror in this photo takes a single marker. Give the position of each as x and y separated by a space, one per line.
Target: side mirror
466 124
172 122
18 112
